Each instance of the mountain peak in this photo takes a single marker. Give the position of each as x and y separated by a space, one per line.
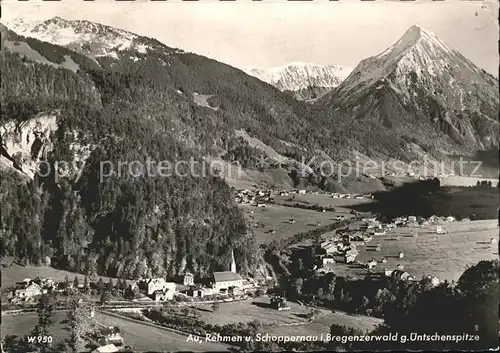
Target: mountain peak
79 35
417 50
419 39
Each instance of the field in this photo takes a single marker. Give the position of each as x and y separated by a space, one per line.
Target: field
322 200
464 181
284 322
140 336
323 322
148 338
445 256
276 217
22 324
16 273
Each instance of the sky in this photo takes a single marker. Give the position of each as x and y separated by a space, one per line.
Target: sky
264 34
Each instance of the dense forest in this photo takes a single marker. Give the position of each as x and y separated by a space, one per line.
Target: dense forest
127 225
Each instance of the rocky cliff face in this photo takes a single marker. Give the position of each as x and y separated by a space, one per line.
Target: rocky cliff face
24 145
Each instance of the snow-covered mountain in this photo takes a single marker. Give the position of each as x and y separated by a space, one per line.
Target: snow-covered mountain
304 79
90 38
421 90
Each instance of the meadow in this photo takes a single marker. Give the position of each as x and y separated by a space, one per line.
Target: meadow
276 218
140 336
283 322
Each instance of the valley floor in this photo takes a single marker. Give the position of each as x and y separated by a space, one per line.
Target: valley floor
445 256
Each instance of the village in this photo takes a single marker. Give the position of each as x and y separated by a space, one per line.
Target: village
221 285
342 247
260 197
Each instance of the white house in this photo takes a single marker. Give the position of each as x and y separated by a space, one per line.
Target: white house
371 264
29 291
155 284
328 260
225 280
109 348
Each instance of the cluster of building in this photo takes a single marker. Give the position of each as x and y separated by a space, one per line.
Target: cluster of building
29 289
257 198
335 250
413 221
351 196
342 247
157 289
222 283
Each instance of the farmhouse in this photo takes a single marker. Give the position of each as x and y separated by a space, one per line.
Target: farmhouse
371 264
433 280
401 275
200 292
28 291
279 303
111 335
328 260
155 284
224 280
352 252
109 348
344 258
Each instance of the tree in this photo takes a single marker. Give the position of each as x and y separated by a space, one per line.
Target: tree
80 323
86 284
479 286
104 296
66 282
111 285
185 311
297 286
75 282
45 312
215 306
364 303
100 284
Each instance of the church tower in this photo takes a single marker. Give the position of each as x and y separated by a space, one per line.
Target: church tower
233 262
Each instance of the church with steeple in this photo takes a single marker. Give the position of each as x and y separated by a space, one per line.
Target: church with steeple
233 262
224 281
